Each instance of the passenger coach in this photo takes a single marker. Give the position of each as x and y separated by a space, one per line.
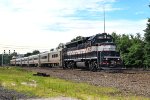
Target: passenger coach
52 58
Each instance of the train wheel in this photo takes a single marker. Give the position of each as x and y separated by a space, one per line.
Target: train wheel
71 65
64 66
93 66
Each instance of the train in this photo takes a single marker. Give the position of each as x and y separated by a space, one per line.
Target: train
47 59
94 53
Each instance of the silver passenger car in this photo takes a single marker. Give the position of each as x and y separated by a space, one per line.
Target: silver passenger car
43 59
55 57
36 60
26 61
13 62
48 59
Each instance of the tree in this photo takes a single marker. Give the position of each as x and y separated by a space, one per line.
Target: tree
116 39
27 54
147 32
61 45
124 43
35 52
52 49
131 49
134 57
147 45
77 38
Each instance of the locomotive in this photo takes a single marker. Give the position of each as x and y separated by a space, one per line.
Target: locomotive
94 53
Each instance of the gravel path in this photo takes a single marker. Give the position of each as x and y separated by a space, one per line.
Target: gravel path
136 82
11 95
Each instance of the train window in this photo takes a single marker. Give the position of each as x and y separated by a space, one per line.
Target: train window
108 37
35 58
100 37
54 55
110 53
44 57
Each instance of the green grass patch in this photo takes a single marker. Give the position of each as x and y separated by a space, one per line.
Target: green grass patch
24 81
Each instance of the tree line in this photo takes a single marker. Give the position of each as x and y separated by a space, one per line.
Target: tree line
134 50
6 58
32 53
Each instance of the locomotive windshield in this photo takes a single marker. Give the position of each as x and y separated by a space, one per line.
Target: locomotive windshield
104 38
101 38
110 53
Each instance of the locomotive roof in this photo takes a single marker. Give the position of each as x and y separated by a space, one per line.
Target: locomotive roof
86 38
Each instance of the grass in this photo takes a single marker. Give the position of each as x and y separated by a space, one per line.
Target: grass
23 81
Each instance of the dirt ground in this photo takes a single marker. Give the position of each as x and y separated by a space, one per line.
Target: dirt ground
6 94
135 82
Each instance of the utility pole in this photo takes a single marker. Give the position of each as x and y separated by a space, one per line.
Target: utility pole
15 57
104 17
2 59
9 58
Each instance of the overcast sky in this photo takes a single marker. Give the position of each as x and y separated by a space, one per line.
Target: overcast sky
26 25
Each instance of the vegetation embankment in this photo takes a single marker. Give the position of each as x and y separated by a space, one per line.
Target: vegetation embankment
24 81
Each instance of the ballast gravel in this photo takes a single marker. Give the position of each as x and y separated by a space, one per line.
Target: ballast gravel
136 82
